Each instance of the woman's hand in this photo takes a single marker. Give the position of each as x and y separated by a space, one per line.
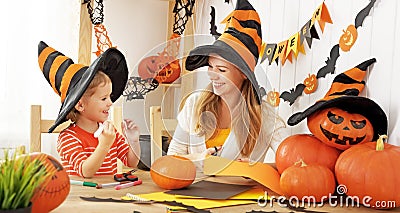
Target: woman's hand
131 131
213 150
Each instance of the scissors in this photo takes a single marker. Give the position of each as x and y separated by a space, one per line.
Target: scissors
126 176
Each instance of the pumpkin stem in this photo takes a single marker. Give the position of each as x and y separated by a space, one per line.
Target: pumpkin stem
303 164
379 143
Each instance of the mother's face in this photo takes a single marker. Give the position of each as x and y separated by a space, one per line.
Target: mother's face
225 77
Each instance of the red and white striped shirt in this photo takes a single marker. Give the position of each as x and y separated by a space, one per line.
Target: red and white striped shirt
75 145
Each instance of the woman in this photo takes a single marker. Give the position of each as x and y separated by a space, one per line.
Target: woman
229 118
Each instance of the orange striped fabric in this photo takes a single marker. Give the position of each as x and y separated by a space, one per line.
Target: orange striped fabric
75 145
66 80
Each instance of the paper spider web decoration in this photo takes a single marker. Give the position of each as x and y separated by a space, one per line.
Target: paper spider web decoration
137 87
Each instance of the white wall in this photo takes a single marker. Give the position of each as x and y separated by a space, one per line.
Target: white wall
376 38
134 26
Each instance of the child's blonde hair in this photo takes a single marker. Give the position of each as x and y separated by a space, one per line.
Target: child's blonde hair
98 80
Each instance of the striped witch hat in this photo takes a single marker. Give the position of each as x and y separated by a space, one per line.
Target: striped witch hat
70 80
240 43
343 94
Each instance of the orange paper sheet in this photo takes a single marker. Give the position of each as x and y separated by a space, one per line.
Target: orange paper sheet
260 172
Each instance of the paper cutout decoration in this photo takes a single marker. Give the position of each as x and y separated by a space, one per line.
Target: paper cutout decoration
213 28
182 13
260 172
220 191
330 63
291 47
346 41
363 14
292 95
137 88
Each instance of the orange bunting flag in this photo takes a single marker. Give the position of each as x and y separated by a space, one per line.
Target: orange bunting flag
285 50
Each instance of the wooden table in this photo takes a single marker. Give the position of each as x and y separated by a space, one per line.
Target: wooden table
74 204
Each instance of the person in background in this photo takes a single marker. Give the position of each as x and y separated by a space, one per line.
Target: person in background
91 145
229 118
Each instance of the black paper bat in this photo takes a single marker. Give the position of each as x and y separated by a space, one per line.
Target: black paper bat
330 63
227 1
363 13
213 28
293 94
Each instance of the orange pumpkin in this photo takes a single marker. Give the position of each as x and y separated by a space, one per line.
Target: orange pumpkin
169 71
273 98
306 147
148 67
348 38
173 172
371 169
339 128
313 183
53 192
311 84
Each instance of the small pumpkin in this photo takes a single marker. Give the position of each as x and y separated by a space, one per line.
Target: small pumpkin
170 70
273 98
148 67
313 183
55 190
305 147
173 172
371 169
311 83
339 128
348 38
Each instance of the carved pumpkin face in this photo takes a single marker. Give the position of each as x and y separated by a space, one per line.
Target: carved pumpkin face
339 128
169 71
163 69
348 38
311 84
148 67
51 195
273 98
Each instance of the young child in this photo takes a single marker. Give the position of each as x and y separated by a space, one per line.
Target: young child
87 94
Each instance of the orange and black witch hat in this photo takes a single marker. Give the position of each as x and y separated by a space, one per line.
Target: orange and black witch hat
70 80
343 94
240 43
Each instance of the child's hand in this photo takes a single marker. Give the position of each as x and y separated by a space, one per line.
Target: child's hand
107 137
130 130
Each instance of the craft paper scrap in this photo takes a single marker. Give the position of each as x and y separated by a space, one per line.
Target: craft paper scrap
202 188
260 172
196 202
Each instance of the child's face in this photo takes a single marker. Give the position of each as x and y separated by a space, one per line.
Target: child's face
97 106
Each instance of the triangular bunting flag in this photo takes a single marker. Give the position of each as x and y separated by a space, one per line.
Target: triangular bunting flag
317 15
280 51
269 52
305 31
292 45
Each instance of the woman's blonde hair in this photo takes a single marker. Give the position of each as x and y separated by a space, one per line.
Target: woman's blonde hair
246 124
99 79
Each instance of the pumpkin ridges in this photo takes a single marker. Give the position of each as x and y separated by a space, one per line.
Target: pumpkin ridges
377 172
295 181
306 147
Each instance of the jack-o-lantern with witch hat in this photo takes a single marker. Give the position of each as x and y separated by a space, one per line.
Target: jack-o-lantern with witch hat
342 118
